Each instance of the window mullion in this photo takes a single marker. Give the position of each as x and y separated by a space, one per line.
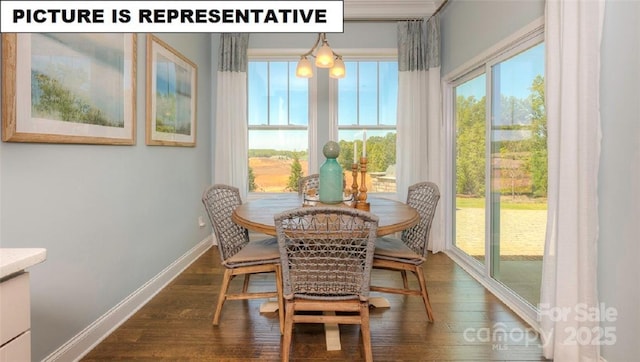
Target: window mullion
288 95
358 93
378 96
268 93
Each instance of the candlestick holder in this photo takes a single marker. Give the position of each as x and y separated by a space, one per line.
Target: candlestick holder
362 203
354 184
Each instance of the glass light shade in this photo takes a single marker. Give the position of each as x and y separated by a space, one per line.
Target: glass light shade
337 71
304 69
324 58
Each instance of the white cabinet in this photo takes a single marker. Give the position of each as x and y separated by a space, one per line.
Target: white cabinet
15 303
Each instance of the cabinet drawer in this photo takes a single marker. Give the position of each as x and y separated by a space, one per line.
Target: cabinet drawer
15 307
18 350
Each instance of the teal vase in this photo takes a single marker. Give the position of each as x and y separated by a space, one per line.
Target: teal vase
331 175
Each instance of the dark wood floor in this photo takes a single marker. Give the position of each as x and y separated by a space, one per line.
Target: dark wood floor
471 324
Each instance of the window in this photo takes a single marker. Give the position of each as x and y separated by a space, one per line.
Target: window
278 114
280 108
368 102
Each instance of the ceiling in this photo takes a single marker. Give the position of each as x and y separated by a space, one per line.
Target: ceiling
389 9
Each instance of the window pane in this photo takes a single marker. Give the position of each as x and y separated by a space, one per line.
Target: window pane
277 156
388 93
298 98
258 93
381 157
278 93
361 95
277 159
470 167
368 93
519 172
348 96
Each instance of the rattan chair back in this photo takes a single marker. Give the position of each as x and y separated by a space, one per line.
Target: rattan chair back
311 182
220 201
326 252
423 197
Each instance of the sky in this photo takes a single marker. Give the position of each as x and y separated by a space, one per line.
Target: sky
517 74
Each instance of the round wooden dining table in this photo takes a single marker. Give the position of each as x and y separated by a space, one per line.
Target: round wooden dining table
257 215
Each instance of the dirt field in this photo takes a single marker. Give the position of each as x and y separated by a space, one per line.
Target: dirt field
272 174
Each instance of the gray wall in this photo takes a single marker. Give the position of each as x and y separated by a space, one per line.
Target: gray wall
469 27
110 217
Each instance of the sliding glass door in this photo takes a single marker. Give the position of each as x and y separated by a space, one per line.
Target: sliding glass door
500 173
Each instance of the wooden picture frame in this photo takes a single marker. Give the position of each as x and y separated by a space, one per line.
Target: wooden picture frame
171 96
69 88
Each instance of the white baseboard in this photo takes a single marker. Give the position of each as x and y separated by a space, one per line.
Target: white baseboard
87 339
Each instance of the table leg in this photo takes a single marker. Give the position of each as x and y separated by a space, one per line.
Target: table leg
379 302
271 305
332 335
331 330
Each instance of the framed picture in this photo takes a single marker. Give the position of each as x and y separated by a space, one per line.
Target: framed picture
171 96
69 88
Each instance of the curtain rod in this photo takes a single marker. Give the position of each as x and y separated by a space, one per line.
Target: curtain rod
385 20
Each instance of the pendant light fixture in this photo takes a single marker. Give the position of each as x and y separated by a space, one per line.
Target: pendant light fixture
325 58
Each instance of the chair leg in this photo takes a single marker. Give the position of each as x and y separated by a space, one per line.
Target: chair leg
226 280
281 311
288 330
423 291
365 329
245 285
405 281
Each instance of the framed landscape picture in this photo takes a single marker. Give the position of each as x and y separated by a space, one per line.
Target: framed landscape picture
171 96
69 88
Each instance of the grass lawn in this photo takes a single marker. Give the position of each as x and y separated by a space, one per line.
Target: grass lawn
506 203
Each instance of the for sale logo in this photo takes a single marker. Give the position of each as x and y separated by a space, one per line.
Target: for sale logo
576 334
500 336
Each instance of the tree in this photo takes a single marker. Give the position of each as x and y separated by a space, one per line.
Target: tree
523 156
296 173
381 153
252 180
538 165
470 146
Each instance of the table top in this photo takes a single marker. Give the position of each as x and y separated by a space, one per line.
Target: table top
258 215
13 260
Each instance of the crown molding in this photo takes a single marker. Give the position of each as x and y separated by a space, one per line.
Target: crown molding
389 9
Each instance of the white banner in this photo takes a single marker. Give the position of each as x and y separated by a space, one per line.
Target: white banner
302 16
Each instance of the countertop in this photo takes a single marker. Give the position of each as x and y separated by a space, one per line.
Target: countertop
13 260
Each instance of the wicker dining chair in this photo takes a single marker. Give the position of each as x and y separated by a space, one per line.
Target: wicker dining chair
239 255
326 255
312 182
306 183
410 252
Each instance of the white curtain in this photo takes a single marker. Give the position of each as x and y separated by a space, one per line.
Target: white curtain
420 133
569 285
230 159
